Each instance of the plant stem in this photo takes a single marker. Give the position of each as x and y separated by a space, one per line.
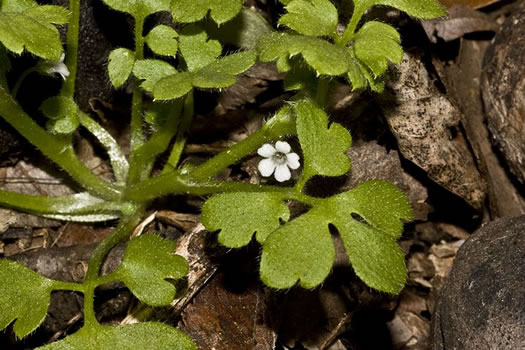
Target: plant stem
58 149
137 134
277 127
124 229
119 163
180 140
71 59
323 86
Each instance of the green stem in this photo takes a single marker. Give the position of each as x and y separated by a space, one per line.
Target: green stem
21 79
323 86
180 140
119 163
175 183
124 229
76 204
137 133
71 59
90 319
282 124
58 149
142 159
76 287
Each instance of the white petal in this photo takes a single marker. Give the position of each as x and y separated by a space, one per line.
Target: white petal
266 167
292 160
266 150
282 173
282 147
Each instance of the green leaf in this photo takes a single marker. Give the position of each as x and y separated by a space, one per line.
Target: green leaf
173 86
151 71
322 56
145 335
324 147
300 250
63 113
187 11
243 31
120 66
148 262
196 49
240 215
19 31
375 257
162 40
58 107
139 8
17 5
377 43
311 17
218 74
49 14
24 297
372 199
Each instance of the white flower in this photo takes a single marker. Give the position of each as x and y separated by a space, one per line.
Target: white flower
277 159
51 67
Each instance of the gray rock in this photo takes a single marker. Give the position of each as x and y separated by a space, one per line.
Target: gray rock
482 304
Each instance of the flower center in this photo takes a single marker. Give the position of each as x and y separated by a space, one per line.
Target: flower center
279 158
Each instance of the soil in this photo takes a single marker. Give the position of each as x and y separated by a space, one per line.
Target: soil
437 132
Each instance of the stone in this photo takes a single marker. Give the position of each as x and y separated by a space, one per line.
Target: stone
482 304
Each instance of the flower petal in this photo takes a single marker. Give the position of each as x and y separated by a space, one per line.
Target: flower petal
282 173
266 167
266 150
292 160
282 147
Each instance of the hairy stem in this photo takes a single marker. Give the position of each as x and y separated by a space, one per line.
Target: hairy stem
277 127
137 133
58 149
180 140
71 59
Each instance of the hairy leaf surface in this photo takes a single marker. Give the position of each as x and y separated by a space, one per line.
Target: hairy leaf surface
148 262
145 335
324 57
240 215
120 66
24 297
324 147
377 43
311 17
162 40
139 8
187 11
31 28
151 71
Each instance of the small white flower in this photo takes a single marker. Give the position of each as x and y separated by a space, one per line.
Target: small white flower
277 160
52 67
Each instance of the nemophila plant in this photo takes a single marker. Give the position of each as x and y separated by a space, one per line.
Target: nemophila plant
314 50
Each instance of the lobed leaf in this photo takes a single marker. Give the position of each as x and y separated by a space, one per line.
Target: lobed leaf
173 86
139 8
377 43
322 56
162 40
24 297
49 14
188 11
32 30
425 9
196 49
301 250
147 263
145 335
63 113
120 66
324 147
311 17
240 215
151 71
17 5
